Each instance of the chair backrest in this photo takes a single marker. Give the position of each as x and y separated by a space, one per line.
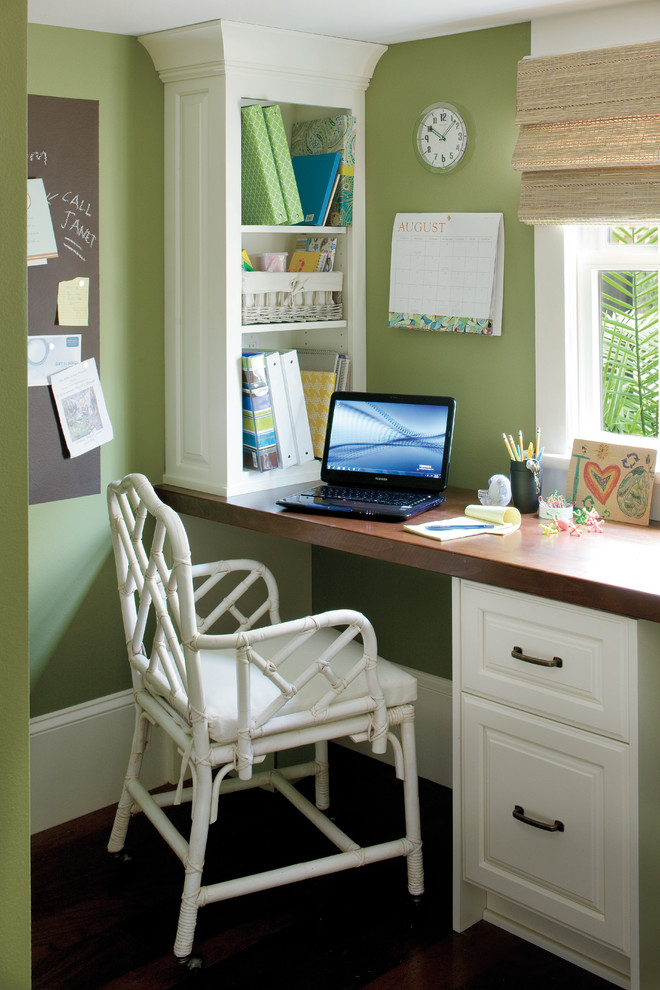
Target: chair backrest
277 678
159 590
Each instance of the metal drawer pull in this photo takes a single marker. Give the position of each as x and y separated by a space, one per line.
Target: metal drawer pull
519 814
518 654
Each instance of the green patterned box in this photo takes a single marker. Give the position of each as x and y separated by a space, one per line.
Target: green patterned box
282 156
262 201
329 134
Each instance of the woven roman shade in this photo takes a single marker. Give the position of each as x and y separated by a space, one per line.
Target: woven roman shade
589 142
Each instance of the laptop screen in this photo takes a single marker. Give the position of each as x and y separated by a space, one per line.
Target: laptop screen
382 440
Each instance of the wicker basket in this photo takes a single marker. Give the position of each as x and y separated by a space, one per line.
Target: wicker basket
291 297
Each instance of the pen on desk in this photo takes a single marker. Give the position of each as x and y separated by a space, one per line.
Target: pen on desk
522 445
431 528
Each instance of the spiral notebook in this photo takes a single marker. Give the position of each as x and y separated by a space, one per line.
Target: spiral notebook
385 456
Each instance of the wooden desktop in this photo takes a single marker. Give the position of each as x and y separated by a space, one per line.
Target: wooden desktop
617 570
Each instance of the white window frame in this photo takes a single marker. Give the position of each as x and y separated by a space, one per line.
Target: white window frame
568 345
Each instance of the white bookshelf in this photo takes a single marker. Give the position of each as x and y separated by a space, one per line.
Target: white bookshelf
209 71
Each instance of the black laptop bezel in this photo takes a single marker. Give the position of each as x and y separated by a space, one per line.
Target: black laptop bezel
399 482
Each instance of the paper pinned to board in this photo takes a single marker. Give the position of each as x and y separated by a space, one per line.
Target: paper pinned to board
479 520
73 302
49 354
41 243
81 407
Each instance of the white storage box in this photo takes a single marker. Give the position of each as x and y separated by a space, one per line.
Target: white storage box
291 297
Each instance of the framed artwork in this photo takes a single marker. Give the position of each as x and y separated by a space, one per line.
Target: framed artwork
615 479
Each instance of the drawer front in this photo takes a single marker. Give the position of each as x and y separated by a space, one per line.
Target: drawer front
569 663
546 818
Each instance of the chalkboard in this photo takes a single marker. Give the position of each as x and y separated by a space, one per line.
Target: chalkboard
63 150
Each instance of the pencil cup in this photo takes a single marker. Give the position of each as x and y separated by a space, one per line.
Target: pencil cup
525 487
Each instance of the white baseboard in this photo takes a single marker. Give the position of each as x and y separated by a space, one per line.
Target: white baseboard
78 759
79 754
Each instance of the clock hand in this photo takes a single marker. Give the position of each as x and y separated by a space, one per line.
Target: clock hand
444 135
437 133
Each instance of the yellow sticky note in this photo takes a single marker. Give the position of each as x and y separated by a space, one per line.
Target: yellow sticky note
73 303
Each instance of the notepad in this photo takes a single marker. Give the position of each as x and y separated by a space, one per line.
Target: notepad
479 520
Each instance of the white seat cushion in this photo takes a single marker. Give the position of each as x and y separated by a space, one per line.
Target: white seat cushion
219 678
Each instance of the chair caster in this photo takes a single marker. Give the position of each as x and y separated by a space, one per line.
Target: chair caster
194 964
123 857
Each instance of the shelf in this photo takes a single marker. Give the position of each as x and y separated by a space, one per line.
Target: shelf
275 327
207 69
292 229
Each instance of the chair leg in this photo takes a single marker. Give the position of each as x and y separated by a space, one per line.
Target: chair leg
194 864
411 801
123 813
322 779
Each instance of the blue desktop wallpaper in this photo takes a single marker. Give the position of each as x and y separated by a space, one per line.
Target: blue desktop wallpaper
388 438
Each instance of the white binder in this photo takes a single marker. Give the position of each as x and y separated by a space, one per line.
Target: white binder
286 443
297 407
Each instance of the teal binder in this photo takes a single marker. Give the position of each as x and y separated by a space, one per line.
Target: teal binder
315 175
318 137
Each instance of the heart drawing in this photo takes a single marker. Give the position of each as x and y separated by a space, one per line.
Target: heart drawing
601 482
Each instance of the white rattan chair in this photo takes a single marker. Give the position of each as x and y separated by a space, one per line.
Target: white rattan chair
216 669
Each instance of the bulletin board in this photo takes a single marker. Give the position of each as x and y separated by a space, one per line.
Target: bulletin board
63 150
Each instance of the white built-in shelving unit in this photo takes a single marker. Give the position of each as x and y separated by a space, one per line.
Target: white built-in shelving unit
210 71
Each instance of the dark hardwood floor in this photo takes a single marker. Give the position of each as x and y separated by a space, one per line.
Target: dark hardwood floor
99 924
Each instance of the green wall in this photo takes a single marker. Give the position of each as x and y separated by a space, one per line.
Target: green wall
14 739
492 378
77 648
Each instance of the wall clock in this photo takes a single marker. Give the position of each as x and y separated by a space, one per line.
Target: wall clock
440 137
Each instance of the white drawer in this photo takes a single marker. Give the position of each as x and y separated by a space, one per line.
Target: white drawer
577 873
587 680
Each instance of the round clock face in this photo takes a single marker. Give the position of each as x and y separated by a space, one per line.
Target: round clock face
441 137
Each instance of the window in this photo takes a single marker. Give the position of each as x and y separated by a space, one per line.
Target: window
568 340
612 330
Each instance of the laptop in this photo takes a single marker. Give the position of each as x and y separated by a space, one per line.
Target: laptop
385 456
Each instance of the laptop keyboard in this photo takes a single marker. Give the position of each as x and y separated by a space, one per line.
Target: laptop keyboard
381 497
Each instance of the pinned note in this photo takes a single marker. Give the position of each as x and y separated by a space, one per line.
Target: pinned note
73 303
81 407
41 244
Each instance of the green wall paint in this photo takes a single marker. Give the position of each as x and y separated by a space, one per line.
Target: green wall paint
14 738
398 600
492 378
77 649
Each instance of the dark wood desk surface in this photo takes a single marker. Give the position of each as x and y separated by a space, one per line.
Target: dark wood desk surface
616 571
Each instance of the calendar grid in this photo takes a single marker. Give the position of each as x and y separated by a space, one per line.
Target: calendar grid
444 271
